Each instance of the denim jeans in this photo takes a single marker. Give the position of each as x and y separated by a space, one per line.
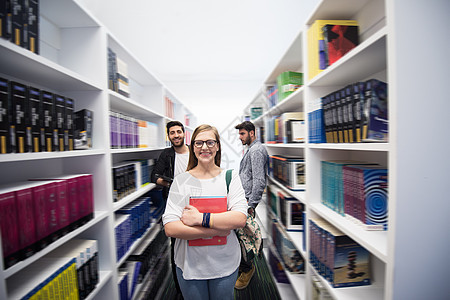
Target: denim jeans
217 288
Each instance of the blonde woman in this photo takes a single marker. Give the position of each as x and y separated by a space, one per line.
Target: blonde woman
205 272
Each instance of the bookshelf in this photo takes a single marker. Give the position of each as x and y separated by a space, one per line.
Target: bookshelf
73 62
417 221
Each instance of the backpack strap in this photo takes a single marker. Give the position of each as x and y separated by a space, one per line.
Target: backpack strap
228 179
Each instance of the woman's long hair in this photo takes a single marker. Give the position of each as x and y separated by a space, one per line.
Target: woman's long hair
193 161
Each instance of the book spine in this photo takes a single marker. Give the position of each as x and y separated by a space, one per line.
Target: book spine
48 120
18 126
69 125
26 222
9 229
59 117
5 117
35 115
40 216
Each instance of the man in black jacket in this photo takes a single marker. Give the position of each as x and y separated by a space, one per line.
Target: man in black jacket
171 162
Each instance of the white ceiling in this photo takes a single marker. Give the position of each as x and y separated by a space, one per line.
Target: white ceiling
212 55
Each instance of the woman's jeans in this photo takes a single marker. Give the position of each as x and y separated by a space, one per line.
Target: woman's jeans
218 288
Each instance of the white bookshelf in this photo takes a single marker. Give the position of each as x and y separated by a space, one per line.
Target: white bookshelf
73 62
413 63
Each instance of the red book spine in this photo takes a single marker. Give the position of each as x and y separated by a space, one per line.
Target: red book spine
27 224
89 195
9 229
52 210
73 200
40 216
63 205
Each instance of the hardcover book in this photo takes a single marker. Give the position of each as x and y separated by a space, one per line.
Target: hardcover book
59 117
17 22
35 113
83 129
315 39
338 40
375 126
209 205
48 120
69 125
32 14
9 227
5 116
19 117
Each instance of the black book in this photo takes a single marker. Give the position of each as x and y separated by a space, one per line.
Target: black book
32 22
83 129
69 125
344 115
59 117
350 115
19 117
48 120
17 11
36 134
5 19
333 117
358 105
5 116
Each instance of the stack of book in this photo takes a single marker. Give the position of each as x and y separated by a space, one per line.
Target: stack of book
357 190
129 132
289 171
34 120
336 257
19 23
288 82
356 113
69 272
35 213
118 80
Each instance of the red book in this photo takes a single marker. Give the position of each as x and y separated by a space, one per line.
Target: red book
209 205
40 216
9 227
27 224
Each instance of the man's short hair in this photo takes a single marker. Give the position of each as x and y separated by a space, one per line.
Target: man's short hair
246 125
174 123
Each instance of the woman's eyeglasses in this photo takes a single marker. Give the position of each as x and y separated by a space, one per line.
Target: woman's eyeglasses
209 143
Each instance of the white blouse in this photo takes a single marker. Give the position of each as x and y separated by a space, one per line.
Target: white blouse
205 262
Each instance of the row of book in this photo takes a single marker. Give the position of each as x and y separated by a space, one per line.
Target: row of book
142 266
357 190
289 171
289 210
34 120
287 83
69 272
290 257
118 80
129 132
356 113
289 127
131 221
35 213
170 107
328 41
19 23
336 257
129 176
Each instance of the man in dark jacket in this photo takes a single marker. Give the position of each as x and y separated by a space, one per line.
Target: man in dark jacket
171 162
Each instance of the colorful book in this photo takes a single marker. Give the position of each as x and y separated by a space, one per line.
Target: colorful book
209 205
338 40
315 39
